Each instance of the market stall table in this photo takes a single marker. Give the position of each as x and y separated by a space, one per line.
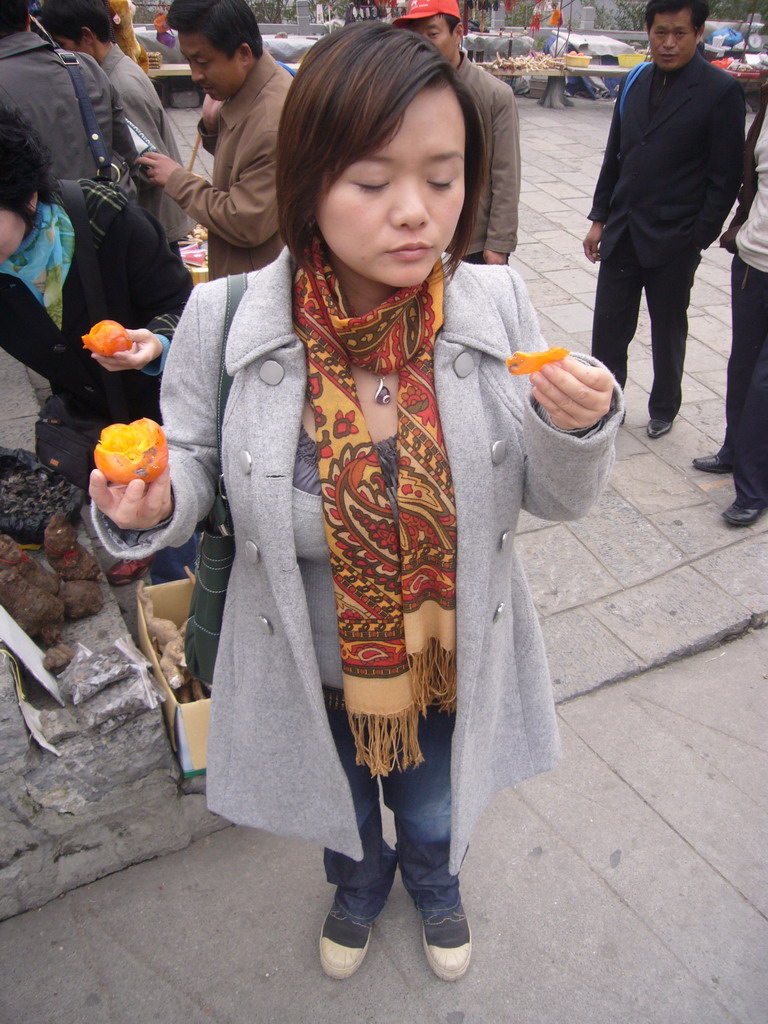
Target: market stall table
554 93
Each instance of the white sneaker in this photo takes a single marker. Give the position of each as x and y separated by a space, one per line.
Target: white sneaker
448 944
343 944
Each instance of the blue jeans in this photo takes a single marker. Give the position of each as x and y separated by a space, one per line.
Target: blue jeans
420 799
169 562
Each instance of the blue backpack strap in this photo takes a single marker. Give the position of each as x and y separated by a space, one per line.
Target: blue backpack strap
287 68
633 74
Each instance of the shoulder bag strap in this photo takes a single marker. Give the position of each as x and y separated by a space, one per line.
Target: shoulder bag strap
236 286
629 81
89 271
91 125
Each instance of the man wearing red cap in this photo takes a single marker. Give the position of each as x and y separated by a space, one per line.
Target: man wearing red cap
495 234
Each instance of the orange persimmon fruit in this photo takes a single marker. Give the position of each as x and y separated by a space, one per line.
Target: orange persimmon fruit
132 451
530 362
107 337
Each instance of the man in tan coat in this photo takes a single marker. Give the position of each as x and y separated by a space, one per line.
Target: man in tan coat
245 90
496 226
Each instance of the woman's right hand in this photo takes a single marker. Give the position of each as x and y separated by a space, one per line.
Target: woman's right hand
133 506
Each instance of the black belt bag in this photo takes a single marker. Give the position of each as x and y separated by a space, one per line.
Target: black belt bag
65 439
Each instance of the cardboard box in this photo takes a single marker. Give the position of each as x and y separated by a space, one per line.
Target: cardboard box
187 723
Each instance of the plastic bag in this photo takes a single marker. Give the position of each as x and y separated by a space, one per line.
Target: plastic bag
30 494
89 673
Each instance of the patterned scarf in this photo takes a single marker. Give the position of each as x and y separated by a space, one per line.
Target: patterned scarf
43 259
395 583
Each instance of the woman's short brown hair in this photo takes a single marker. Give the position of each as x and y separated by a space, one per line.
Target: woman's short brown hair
348 101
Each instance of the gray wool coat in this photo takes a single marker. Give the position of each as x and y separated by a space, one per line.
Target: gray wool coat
272 763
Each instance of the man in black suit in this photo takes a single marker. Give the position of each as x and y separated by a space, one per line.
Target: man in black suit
670 175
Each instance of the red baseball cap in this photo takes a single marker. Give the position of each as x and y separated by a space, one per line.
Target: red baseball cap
428 9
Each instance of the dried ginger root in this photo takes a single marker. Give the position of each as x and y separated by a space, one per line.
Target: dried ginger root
161 631
172 662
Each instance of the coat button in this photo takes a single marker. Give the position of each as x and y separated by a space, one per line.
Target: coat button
271 372
264 625
244 461
58 349
505 541
497 613
498 452
463 364
252 552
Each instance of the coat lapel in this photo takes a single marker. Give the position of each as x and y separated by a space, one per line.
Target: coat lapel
682 93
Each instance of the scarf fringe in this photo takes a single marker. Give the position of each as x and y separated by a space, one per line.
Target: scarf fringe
433 677
386 742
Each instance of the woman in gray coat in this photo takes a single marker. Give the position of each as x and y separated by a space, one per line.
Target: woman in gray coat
376 455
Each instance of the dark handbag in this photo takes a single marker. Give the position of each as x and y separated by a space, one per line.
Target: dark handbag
65 439
64 435
216 551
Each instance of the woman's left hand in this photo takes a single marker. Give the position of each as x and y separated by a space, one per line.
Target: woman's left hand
576 395
145 349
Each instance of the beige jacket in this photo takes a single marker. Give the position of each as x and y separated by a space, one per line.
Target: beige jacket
496 226
141 105
238 207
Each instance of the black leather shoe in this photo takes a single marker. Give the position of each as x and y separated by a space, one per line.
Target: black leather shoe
658 428
737 516
712 464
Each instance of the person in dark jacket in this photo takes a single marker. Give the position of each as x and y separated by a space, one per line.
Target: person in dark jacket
34 80
670 174
744 451
43 307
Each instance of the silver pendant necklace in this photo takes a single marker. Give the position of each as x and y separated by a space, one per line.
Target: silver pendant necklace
382 396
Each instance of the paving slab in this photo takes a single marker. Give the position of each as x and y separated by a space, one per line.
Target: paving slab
719 312
541 257
626 542
696 530
715 381
567 580
710 330
672 616
581 651
626 885
700 357
18 399
651 485
742 571
573 317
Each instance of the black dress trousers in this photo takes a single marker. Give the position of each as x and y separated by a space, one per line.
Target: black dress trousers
620 285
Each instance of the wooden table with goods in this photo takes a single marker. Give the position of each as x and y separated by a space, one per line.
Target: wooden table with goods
555 70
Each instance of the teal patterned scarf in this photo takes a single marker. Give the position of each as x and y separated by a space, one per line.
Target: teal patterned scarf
43 259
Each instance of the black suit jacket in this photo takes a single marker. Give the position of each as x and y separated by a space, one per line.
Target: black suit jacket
671 179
